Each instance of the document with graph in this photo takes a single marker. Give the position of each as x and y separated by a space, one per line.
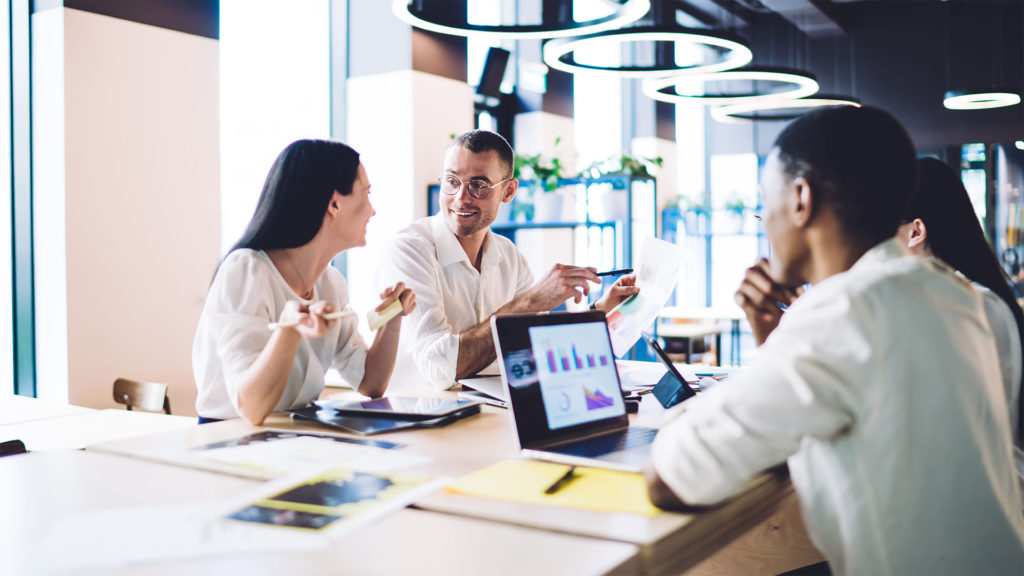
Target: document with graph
656 274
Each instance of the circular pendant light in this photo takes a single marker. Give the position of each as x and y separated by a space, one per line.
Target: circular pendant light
789 84
628 12
785 109
980 99
728 52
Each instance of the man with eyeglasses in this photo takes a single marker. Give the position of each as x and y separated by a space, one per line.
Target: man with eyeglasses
463 274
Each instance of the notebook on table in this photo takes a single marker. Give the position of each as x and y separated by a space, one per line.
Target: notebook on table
565 398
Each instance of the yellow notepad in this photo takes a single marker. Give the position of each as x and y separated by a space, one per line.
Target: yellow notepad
526 480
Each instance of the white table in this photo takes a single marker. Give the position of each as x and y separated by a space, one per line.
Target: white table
39 489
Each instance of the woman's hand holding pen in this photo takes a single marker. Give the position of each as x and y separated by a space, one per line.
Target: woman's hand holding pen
763 300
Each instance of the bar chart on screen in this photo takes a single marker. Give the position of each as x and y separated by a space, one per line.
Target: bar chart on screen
575 368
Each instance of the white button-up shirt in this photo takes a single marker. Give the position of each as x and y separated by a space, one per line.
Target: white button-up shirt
451 296
882 388
247 294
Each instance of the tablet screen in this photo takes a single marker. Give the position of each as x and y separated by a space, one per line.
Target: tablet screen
399 406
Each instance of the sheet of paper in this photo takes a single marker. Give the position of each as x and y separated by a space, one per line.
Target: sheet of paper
116 537
287 455
656 275
592 488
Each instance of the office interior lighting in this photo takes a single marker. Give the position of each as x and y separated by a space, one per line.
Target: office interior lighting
979 99
788 85
727 52
626 13
776 109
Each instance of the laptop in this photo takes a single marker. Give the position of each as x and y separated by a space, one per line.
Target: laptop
564 395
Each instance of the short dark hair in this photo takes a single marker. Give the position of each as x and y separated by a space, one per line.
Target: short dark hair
859 160
298 189
478 141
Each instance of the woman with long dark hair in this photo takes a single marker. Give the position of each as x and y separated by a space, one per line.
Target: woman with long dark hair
276 316
940 222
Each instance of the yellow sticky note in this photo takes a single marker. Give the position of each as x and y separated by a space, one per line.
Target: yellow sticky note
591 488
377 319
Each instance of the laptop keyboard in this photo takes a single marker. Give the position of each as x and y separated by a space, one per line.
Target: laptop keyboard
616 442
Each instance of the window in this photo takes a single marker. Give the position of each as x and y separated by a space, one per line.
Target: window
275 89
6 179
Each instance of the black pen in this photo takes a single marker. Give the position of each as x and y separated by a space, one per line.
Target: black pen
562 481
616 272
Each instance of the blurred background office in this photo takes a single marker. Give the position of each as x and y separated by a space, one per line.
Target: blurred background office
140 133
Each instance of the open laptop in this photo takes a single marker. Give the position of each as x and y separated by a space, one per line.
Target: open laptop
564 395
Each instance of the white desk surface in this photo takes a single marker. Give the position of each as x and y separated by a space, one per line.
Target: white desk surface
688 330
40 488
15 409
668 543
702 313
76 431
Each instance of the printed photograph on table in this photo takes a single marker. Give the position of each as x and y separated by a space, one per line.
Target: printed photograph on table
321 501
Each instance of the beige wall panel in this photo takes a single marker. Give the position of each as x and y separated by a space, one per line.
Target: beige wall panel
142 202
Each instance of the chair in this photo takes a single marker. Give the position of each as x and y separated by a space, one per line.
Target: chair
12 447
148 396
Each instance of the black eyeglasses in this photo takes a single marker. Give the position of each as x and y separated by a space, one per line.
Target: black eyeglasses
478 187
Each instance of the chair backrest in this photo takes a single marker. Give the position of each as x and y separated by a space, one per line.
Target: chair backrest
149 396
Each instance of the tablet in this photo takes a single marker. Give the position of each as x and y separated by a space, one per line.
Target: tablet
672 388
401 407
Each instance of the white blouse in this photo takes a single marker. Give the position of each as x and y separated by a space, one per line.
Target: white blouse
882 389
247 293
1004 328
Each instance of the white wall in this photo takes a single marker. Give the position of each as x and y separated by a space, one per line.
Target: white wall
142 204
401 158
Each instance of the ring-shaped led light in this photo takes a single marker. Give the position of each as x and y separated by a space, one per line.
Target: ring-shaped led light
785 109
979 99
802 84
558 54
627 13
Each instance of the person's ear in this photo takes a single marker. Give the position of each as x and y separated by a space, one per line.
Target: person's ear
510 190
918 234
803 202
334 206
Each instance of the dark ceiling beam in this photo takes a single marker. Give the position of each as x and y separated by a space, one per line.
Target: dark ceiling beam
805 15
706 19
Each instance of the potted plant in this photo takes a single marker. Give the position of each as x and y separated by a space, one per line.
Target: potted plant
735 208
616 202
694 210
544 173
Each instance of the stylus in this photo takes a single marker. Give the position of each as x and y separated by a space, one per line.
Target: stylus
329 316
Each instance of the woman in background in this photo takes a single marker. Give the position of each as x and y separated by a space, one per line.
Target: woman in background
270 330
941 222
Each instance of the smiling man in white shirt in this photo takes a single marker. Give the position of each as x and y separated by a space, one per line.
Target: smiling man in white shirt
879 385
463 273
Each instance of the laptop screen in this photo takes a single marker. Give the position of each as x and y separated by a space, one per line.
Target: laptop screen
561 375
576 370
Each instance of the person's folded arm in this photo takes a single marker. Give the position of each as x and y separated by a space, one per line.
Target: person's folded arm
799 386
